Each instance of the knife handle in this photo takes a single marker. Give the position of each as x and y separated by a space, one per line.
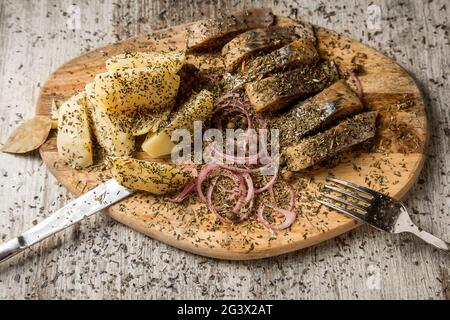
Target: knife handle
10 249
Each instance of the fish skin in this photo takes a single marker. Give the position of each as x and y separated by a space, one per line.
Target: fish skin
297 53
345 135
214 33
333 103
278 91
255 41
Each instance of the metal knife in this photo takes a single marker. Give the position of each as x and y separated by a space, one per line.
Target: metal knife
91 202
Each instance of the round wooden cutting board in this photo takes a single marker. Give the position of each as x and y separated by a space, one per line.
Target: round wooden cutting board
391 165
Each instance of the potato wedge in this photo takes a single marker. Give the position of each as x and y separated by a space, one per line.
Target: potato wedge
116 140
125 91
173 61
153 177
197 108
149 121
74 136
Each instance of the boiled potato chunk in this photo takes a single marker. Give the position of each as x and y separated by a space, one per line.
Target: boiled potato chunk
116 140
197 108
149 121
173 61
153 177
158 145
125 91
74 137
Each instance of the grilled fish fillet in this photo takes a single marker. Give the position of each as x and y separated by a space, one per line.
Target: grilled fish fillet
264 39
295 54
334 103
214 33
327 144
274 93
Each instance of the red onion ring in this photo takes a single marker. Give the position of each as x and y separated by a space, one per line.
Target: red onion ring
245 190
226 96
188 188
241 201
216 152
272 194
289 216
231 101
253 159
292 197
202 177
269 185
250 193
211 206
206 171
192 169
246 197
245 170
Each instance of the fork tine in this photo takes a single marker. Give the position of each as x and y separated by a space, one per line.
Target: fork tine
351 213
340 200
348 193
353 186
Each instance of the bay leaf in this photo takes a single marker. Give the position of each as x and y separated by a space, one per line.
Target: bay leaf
29 136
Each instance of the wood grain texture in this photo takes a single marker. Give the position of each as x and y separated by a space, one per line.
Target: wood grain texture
191 227
102 259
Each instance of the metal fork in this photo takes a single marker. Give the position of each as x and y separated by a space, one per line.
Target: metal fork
378 210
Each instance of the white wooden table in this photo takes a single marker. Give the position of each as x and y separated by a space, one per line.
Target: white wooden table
100 258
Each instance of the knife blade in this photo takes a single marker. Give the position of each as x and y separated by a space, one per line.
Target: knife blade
91 202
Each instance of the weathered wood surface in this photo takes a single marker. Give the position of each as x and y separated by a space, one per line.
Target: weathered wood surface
100 258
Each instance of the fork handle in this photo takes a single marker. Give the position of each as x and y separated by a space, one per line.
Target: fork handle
429 238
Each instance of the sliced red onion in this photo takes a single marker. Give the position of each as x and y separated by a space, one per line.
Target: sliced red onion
229 103
272 197
250 194
235 159
272 194
269 185
289 218
202 177
249 159
188 188
245 190
245 170
246 196
210 204
250 187
226 96
192 169
208 170
237 208
292 197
